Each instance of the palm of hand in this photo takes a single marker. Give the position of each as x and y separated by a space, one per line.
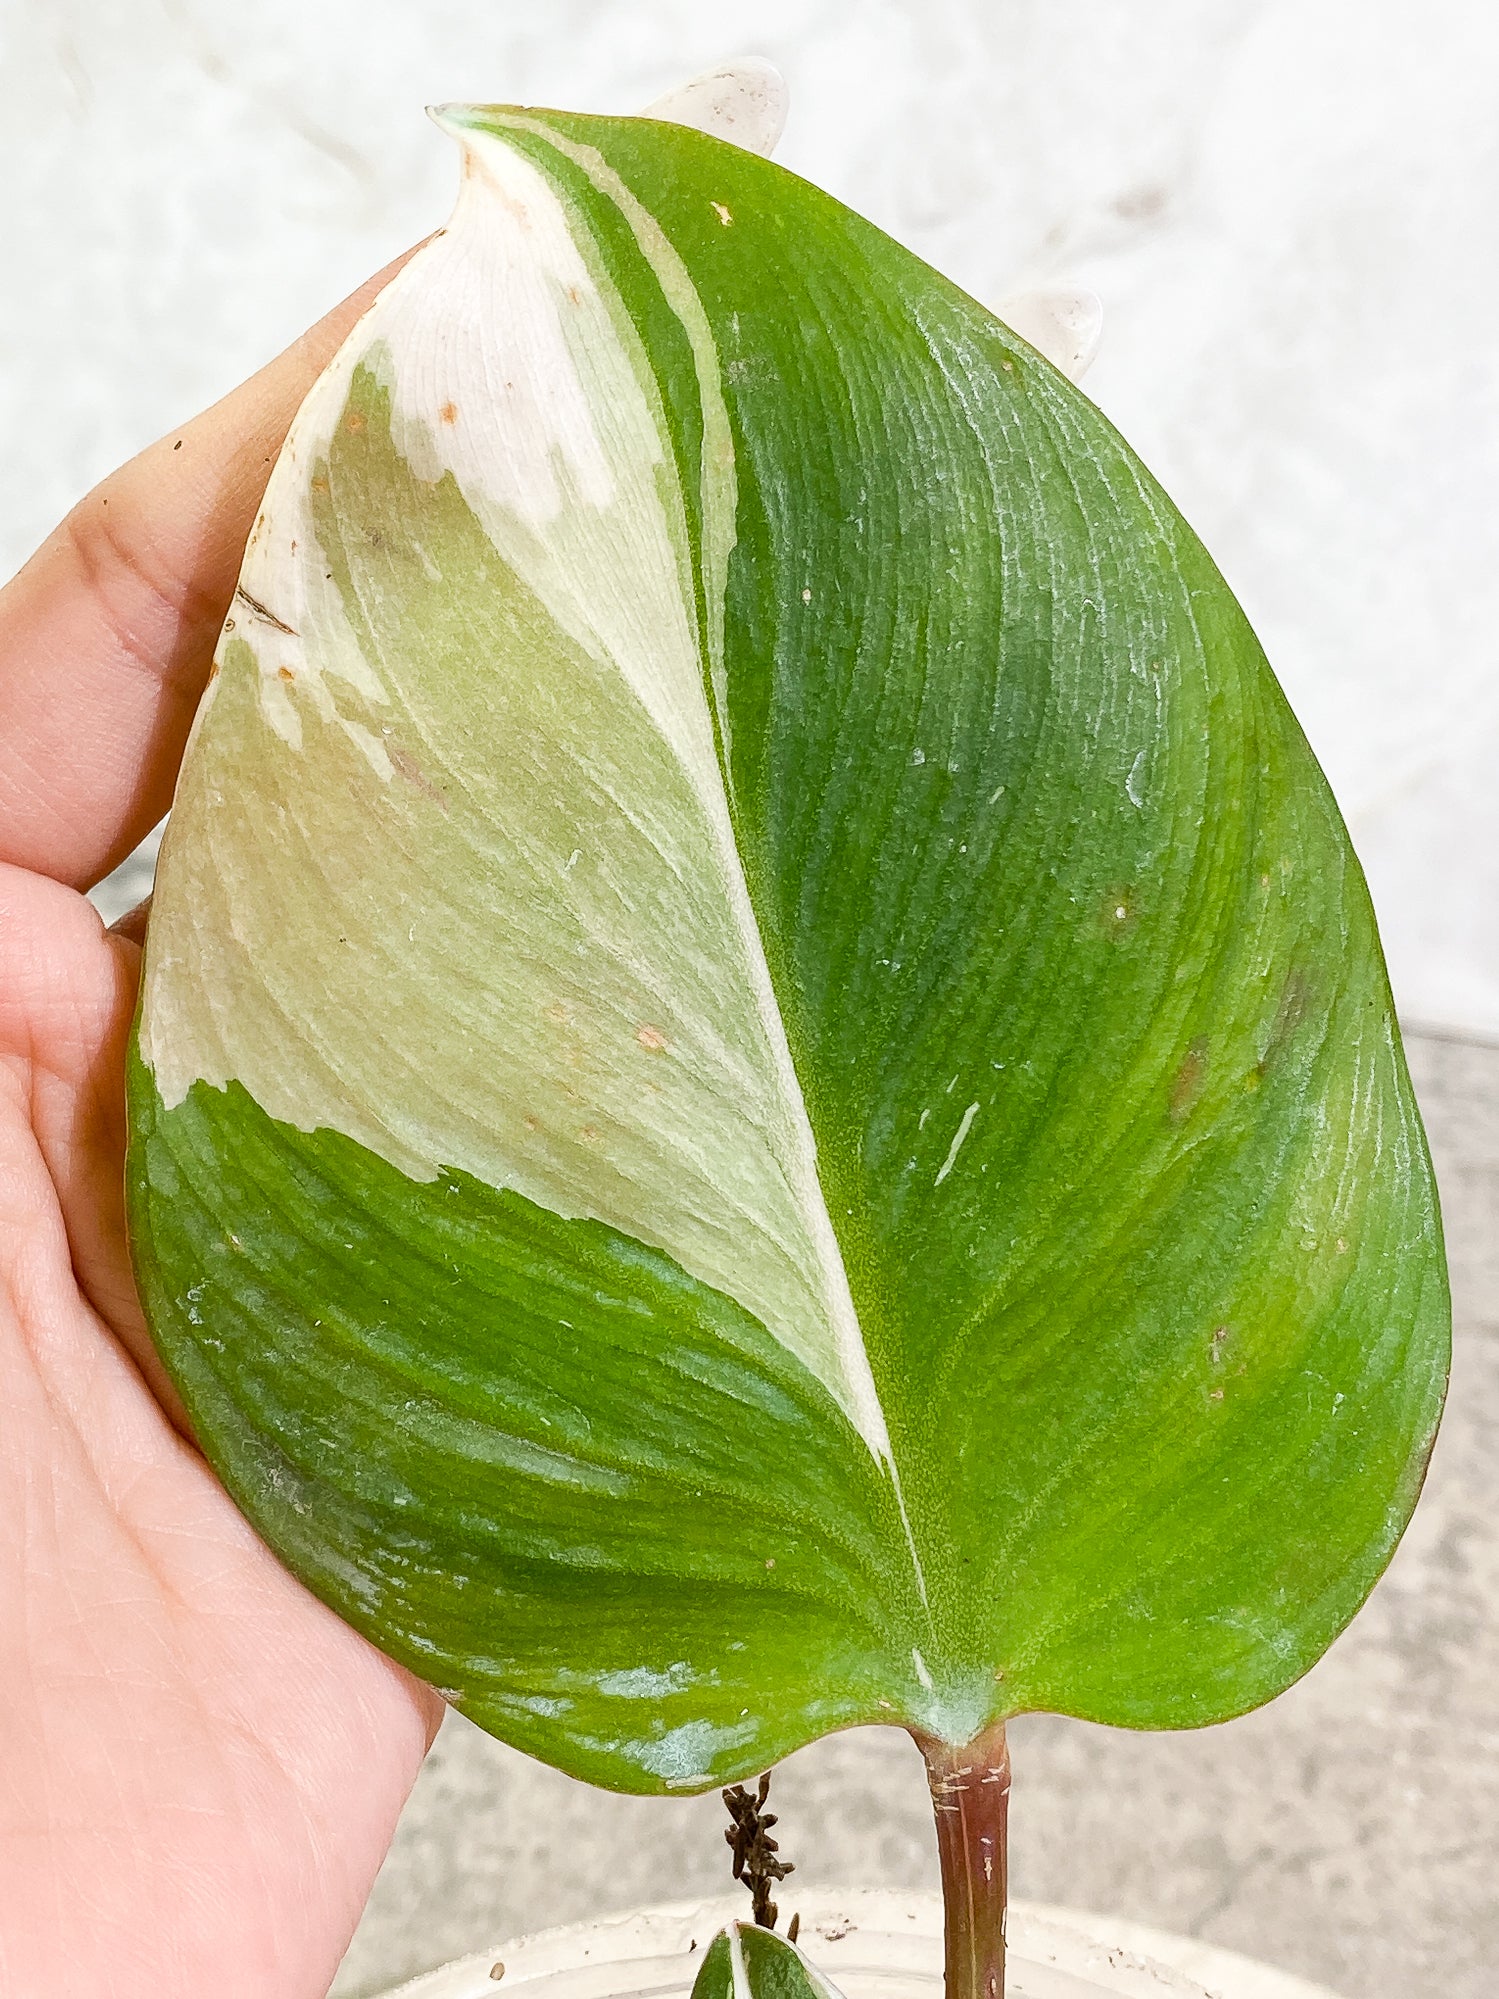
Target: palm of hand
200 1766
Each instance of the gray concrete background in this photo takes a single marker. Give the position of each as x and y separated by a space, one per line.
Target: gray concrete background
1349 1832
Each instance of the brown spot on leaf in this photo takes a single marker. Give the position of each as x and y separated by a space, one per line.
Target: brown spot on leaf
413 773
285 673
449 412
652 1038
1295 1004
264 611
1186 1085
354 422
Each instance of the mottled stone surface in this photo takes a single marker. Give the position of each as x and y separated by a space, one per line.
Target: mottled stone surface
1348 1832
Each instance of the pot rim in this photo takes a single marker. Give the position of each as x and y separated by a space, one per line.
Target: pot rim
1142 1962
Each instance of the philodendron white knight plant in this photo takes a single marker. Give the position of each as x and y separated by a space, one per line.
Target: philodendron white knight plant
765 1097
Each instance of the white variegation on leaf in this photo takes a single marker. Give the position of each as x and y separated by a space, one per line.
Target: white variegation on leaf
622 1057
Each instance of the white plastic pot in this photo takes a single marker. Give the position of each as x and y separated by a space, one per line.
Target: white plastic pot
872 1943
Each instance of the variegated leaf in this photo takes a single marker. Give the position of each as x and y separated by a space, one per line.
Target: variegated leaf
765 1094
744 1962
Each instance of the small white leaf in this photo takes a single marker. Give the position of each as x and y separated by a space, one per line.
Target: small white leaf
743 100
1063 322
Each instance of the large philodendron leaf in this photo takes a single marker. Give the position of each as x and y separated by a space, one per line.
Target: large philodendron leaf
765 1094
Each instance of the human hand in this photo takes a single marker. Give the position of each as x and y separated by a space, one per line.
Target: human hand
200 1766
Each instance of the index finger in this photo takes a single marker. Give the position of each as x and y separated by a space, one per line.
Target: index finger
107 633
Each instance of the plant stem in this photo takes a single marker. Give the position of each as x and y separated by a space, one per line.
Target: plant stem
971 1798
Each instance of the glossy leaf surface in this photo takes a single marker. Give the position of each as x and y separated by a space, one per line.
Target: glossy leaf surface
765 1092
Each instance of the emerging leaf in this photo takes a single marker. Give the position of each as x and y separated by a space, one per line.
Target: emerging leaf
744 1962
765 1095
